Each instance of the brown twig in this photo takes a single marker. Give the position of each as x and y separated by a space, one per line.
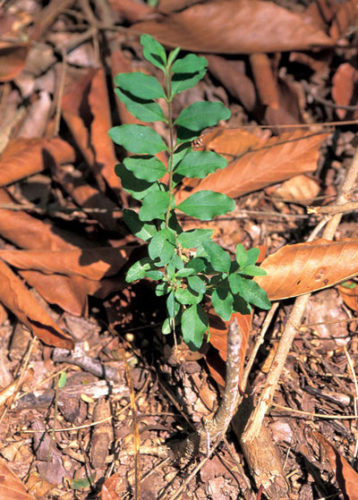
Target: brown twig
334 209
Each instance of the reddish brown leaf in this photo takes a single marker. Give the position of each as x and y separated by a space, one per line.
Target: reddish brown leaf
73 98
109 487
347 477
265 81
16 297
247 29
12 60
92 264
232 75
297 269
24 157
299 189
278 159
102 144
216 357
26 231
343 83
10 486
350 295
131 10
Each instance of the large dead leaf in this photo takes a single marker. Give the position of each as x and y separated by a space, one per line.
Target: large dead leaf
10 485
347 477
93 264
23 157
236 27
297 269
16 297
278 159
12 60
343 87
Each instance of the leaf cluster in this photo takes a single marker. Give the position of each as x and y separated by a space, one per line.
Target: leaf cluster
190 268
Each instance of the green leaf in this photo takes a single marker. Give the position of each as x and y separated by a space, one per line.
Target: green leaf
136 187
194 324
154 275
189 64
140 85
197 284
222 301
252 270
246 258
173 306
194 237
146 111
219 259
187 297
181 81
147 168
197 264
137 139
185 272
154 206
162 246
137 270
173 55
62 380
140 229
250 291
200 115
205 205
198 164
166 328
161 289
185 135
153 51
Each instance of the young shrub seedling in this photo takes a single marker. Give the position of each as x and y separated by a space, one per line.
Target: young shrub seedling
190 269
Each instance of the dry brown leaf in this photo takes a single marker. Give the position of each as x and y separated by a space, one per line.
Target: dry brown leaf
93 264
216 358
29 232
102 144
131 10
16 297
265 81
343 87
303 268
350 295
299 189
11 487
347 477
247 30
12 60
278 159
231 73
23 157
73 98
108 491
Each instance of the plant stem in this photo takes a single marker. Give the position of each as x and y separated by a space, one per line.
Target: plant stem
169 99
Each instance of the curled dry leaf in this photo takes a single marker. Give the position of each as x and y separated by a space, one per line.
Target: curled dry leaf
303 268
347 477
216 357
275 160
23 157
16 297
299 189
349 293
11 486
343 87
246 28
